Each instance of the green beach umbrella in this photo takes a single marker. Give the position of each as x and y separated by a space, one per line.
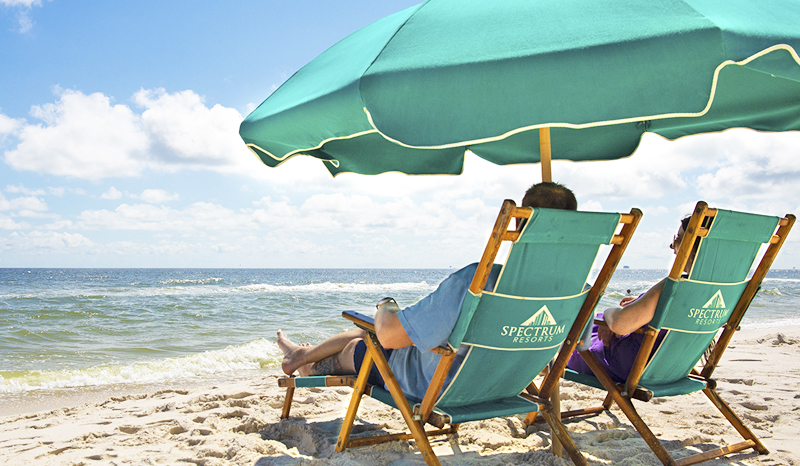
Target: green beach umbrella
508 79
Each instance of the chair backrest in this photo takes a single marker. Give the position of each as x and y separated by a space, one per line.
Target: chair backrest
515 330
693 309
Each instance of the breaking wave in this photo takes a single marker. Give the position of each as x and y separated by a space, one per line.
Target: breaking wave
253 356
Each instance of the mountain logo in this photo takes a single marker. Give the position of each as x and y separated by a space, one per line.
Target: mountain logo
541 327
541 317
712 313
716 301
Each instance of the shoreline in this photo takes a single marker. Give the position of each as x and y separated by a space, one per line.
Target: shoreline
237 422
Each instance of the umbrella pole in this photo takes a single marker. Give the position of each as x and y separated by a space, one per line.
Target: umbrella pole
555 398
544 153
547 175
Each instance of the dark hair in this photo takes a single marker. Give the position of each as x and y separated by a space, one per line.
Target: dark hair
685 226
685 222
707 221
550 195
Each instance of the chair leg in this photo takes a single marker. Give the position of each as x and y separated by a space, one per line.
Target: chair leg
581 412
649 437
557 447
608 401
355 401
287 402
626 405
533 390
401 402
559 432
737 423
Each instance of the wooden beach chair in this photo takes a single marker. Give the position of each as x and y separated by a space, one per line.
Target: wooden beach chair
691 311
539 302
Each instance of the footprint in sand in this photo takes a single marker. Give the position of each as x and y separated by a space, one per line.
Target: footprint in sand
755 406
748 382
129 429
239 413
178 429
611 435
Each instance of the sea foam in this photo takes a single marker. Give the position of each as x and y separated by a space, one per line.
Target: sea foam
255 355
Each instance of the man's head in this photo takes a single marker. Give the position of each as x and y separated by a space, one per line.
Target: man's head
550 195
678 239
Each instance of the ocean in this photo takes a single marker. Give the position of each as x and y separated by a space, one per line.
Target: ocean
78 333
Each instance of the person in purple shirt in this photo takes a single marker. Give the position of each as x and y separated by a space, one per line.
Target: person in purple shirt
615 345
407 335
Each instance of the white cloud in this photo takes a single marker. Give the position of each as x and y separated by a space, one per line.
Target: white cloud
736 166
23 9
591 206
112 193
663 210
328 226
9 125
156 196
198 217
83 136
44 241
755 166
25 23
274 214
52 190
126 217
21 3
653 171
28 203
89 137
196 135
480 180
20 189
7 223
59 225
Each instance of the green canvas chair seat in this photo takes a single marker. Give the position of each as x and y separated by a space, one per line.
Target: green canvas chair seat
457 414
539 304
680 387
472 412
696 309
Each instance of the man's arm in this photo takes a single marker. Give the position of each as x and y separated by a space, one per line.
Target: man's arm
390 331
624 320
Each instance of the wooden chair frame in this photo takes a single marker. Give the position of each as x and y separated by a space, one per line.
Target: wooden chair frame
417 416
622 394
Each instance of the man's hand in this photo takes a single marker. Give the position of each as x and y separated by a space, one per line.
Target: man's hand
627 300
605 335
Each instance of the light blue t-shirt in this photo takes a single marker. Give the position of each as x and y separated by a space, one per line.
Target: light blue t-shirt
428 323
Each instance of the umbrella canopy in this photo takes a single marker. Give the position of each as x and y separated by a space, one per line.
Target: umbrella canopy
413 91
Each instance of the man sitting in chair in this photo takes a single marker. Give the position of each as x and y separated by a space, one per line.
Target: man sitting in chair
615 345
408 335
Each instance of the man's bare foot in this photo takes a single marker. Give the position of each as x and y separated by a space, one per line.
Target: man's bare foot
293 354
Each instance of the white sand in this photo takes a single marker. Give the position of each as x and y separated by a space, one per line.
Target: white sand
239 424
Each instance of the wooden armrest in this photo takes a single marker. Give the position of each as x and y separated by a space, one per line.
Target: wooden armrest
368 323
364 321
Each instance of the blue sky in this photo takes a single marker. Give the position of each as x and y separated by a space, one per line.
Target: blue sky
119 146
